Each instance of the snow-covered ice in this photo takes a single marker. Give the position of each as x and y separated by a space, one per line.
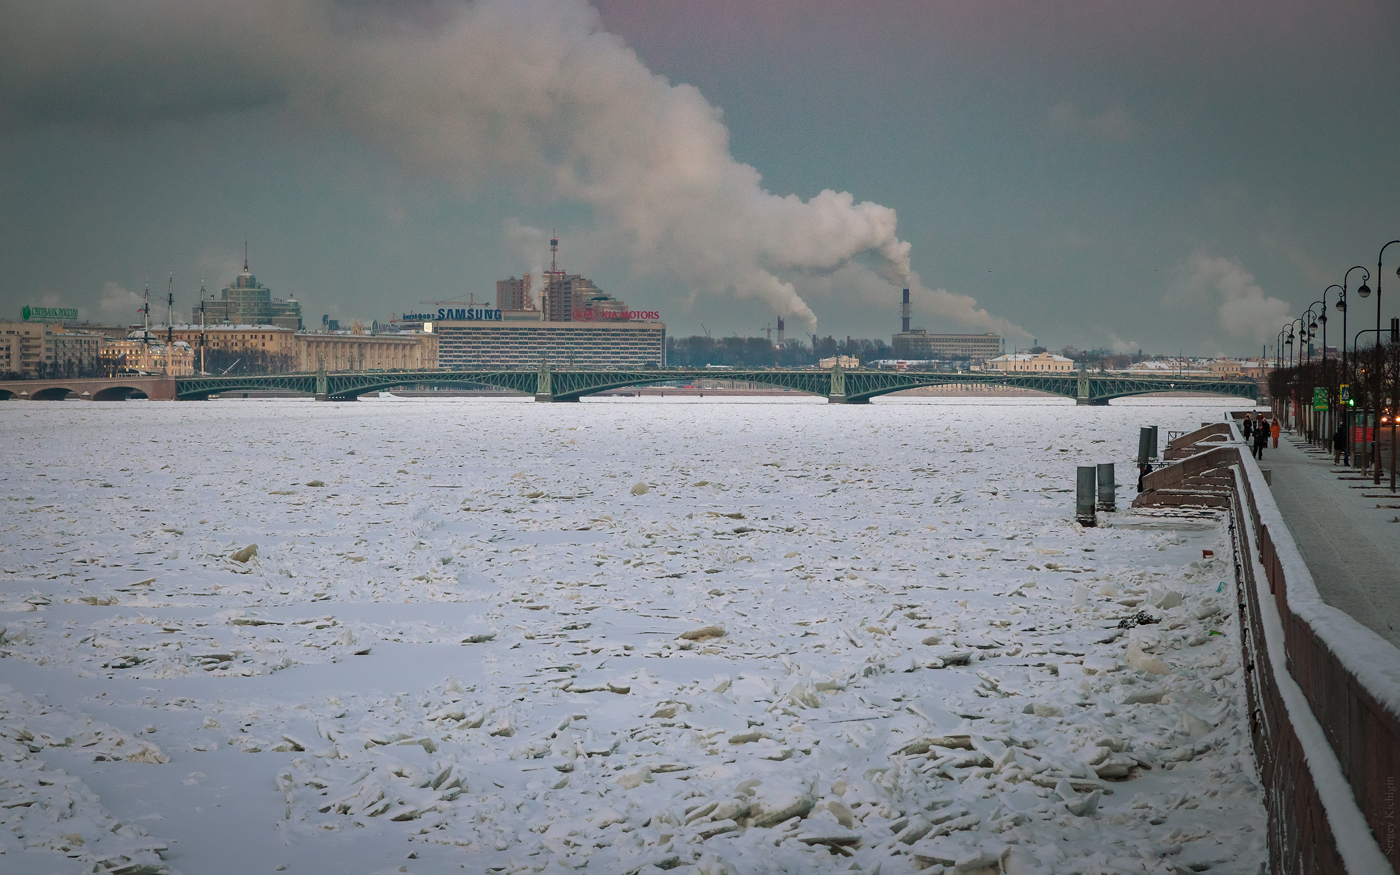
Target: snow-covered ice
625 635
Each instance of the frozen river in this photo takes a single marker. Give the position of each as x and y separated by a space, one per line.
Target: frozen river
626 635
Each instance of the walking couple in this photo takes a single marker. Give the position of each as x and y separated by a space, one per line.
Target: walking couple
1258 432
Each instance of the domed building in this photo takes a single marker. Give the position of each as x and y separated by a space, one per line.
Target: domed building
146 352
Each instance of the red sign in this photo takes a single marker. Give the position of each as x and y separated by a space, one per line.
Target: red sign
591 315
1356 434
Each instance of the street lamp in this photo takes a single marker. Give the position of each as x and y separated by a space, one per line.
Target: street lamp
1342 305
1355 345
1364 292
1312 326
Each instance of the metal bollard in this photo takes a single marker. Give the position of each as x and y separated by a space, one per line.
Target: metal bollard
1146 445
1108 488
1084 496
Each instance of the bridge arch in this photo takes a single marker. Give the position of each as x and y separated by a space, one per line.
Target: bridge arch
50 393
117 393
512 381
201 387
1223 391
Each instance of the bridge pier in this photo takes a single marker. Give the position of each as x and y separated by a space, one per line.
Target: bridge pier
1091 402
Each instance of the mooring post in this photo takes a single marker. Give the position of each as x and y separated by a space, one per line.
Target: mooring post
1084 496
1147 445
1108 488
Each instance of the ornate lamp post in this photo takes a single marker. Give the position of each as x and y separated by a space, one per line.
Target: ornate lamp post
1342 305
1365 291
1311 319
1355 345
1292 364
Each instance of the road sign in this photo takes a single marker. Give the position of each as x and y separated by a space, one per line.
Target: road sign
1319 398
1344 394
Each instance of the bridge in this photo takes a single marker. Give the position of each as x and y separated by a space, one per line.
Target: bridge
839 385
89 389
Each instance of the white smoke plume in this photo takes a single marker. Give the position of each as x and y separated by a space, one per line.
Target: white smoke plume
533 89
118 305
1244 310
529 244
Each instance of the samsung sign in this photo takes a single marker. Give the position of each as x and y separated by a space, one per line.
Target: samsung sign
467 314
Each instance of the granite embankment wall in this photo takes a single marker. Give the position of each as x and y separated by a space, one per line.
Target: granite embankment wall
1324 691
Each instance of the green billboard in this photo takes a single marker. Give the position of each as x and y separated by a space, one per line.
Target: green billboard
1319 398
49 314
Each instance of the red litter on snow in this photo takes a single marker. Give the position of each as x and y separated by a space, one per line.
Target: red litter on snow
1207 554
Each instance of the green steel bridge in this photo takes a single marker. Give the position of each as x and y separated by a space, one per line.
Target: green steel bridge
839 385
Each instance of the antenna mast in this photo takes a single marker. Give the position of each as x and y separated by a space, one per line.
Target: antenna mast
201 324
170 310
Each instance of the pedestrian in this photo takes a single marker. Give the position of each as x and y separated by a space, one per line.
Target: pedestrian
1143 470
1273 430
1261 440
1247 427
1339 445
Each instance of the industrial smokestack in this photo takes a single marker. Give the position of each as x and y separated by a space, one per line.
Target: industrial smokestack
904 313
780 331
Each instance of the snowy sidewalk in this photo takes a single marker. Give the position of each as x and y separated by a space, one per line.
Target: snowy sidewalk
1351 546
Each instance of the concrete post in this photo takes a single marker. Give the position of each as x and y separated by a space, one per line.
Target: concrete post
1153 446
1084 496
1108 489
1146 445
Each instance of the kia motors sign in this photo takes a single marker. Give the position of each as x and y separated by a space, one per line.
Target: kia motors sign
591 315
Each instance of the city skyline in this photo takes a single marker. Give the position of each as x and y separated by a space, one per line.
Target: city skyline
1167 178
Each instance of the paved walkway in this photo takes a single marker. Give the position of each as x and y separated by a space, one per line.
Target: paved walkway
1346 530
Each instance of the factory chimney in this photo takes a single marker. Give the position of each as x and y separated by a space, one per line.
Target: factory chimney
904 313
780 331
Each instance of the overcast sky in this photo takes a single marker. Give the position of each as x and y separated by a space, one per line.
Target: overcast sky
1164 175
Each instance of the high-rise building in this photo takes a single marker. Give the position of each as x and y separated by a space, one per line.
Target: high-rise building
514 294
245 301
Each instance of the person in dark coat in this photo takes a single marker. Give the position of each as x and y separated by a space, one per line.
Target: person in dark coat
1247 427
1339 445
1261 440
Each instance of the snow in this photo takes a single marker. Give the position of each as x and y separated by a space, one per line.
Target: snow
1359 650
821 639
